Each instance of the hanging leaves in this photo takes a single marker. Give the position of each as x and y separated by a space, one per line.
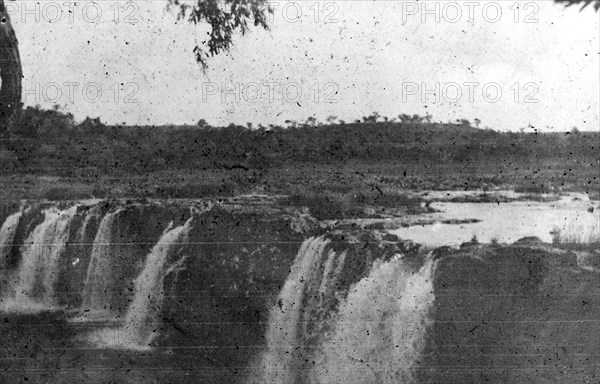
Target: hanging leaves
224 17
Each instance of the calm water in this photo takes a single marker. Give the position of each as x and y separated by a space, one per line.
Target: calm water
509 222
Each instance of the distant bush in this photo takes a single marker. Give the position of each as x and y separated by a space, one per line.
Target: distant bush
66 193
99 191
35 122
574 233
50 142
339 188
323 206
385 198
197 190
535 188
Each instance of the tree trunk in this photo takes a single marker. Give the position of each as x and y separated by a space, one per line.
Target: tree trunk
10 69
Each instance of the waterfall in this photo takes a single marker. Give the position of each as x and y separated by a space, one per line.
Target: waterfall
97 290
83 235
143 315
91 219
281 361
7 235
33 286
380 330
77 257
374 334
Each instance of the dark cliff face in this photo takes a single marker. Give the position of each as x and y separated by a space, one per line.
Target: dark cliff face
499 313
30 218
521 313
217 303
220 302
74 264
230 245
137 228
236 258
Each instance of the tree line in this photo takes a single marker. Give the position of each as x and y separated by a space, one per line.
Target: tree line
49 141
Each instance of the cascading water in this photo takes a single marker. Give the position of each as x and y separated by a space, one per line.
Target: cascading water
76 260
91 221
7 235
83 241
143 315
380 329
98 285
281 362
33 287
375 335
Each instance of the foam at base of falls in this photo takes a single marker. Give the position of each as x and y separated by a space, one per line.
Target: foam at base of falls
101 317
113 338
25 306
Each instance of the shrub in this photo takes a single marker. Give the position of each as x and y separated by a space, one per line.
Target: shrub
197 190
66 193
385 198
322 206
534 188
573 233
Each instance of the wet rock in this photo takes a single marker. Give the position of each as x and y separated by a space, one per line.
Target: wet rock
494 305
529 240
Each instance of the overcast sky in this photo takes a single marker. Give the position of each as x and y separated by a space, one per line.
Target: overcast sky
342 58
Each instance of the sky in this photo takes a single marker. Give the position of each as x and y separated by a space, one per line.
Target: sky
508 64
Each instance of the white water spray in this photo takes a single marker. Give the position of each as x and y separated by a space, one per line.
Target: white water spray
97 292
7 236
93 215
33 287
381 328
377 334
143 315
280 363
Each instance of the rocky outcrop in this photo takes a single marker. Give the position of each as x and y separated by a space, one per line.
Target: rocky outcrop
512 314
252 292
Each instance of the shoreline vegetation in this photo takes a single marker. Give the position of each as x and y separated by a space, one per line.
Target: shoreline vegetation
338 170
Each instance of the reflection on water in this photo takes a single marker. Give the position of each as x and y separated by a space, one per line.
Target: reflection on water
574 217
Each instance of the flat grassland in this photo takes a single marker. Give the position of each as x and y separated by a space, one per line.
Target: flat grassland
45 155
